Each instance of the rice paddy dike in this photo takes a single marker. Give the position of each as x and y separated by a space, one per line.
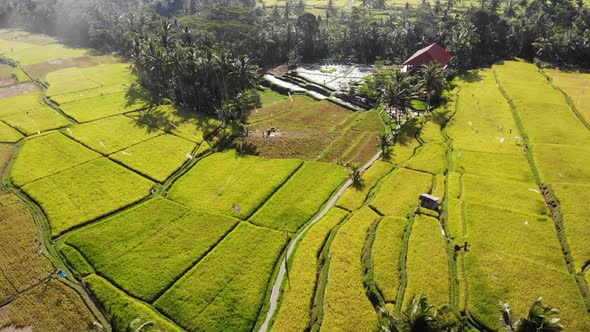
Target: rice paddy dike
146 219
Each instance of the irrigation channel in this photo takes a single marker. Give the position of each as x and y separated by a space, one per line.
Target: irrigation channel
276 289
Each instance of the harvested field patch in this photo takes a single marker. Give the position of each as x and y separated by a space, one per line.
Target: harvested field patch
398 194
346 307
22 262
301 197
52 306
294 312
355 196
112 134
427 263
178 244
386 253
18 89
158 157
229 184
101 187
358 143
46 155
122 309
281 108
234 276
5 72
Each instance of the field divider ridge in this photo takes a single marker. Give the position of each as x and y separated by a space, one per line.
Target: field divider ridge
403 264
276 290
44 236
194 263
551 201
567 98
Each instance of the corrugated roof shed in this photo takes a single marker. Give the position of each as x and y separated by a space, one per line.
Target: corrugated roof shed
432 53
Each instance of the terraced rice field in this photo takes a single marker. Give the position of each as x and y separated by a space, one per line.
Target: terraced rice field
160 227
311 130
498 202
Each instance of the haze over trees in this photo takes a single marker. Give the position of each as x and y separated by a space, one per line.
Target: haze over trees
203 54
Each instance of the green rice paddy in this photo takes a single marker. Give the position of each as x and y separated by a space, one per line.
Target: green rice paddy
158 229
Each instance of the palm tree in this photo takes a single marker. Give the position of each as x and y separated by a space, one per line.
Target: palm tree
355 174
433 82
538 319
399 92
420 316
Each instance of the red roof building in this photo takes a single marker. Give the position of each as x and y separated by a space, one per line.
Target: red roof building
432 53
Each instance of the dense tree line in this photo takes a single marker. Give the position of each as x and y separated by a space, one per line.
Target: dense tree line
204 53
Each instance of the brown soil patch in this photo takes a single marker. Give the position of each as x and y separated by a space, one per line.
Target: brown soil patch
280 70
17 329
7 82
290 144
18 89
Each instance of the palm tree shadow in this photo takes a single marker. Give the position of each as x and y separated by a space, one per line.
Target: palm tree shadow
358 185
136 93
408 132
472 76
153 119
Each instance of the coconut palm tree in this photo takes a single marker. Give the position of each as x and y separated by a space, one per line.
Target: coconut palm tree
420 316
399 91
432 82
539 319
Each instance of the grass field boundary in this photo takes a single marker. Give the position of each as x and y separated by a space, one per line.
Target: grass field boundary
551 201
455 288
265 307
153 309
567 98
317 309
65 259
520 126
330 203
270 196
44 237
403 264
15 128
195 262
372 291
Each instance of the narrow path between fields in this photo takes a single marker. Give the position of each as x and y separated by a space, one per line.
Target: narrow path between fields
276 289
